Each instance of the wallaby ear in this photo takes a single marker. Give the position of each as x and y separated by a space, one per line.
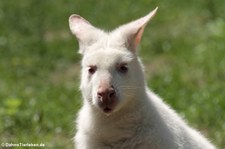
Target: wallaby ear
132 32
86 33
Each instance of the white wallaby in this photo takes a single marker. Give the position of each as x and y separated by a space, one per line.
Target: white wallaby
119 111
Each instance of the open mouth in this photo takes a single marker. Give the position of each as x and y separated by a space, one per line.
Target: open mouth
107 110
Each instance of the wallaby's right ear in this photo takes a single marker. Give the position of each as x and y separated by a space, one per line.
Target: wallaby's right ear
86 33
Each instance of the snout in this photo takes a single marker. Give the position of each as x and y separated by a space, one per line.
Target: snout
107 98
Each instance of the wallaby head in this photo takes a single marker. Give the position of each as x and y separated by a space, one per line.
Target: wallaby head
111 71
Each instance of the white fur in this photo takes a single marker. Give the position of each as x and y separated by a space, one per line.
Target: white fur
140 120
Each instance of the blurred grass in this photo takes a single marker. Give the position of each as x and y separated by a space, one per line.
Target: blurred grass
183 51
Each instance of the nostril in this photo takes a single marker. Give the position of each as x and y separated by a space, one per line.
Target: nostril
112 93
106 94
100 95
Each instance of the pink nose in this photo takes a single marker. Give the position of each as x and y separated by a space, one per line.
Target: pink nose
106 94
106 98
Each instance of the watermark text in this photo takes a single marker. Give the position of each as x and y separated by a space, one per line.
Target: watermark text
6 144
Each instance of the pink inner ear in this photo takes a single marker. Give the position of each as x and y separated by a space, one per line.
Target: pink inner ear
78 25
133 31
77 19
138 37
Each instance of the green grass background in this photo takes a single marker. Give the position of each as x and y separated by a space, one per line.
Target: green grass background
183 49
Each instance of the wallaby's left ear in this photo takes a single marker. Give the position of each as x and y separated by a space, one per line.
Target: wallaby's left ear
132 32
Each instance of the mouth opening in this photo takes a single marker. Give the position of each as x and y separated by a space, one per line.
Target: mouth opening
107 110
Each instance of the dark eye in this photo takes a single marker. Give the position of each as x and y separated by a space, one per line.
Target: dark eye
92 69
123 68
